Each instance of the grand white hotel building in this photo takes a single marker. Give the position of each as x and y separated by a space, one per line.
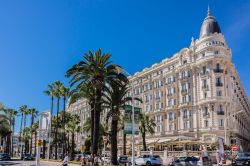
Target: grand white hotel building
194 95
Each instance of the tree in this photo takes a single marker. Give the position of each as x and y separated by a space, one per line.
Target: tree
33 113
147 125
50 92
26 137
34 128
57 87
96 70
12 114
23 111
5 129
65 92
72 127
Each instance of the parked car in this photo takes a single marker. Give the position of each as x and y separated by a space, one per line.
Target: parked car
87 155
148 160
123 159
4 156
185 161
241 159
205 161
27 157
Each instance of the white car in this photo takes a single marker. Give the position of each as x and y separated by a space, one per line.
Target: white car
148 160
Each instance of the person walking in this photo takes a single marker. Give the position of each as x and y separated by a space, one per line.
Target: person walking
83 161
95 160
66 160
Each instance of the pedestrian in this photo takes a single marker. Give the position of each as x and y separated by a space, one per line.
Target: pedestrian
95 160
66 160
83 161
218 156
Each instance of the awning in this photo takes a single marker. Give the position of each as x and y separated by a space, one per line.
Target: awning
164 140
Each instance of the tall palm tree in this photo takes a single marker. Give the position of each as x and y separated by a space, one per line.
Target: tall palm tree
12 114
115 99
26 138
33 113
34 128
72 127
65 92
5 130
57 87
23 109
50 92
97 70
147 125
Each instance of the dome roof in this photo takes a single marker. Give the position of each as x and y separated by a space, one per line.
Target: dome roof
209 25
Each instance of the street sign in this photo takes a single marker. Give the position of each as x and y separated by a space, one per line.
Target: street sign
234 147
128 119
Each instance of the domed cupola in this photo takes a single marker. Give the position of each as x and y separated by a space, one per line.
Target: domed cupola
209 25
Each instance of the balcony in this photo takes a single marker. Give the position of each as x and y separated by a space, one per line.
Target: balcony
184 91
218 70
220 112
204 87
207 115
204 73
169 94
219 84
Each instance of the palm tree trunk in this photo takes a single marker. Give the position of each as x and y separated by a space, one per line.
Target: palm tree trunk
12 138
72 145
144 141
32 122
44 148
50 128
92 124
35 142
24 127
114 124
97 122
124 143
20 136
64 140
56 145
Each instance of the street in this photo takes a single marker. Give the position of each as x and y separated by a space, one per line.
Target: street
17 162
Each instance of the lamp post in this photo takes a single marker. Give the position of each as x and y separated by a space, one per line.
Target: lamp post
225 128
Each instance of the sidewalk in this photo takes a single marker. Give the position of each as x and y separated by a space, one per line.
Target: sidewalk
56 163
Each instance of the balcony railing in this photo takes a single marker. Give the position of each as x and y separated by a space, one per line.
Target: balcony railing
206 115
220 112
204 73
184 91
169 94
219 84
204 87
218 70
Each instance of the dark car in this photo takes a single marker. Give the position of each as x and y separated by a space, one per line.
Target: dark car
27 157
241 159
185 161
123 159
4 156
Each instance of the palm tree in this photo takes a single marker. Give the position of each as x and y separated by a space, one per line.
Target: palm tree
26 138
34 128
33 113
57 87
12 114
96 70
23 109
115 99
72 127
50 92
5 129
147 125
65 92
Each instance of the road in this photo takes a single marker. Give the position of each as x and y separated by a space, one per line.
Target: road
26 163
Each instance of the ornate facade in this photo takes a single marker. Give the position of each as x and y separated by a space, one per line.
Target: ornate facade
196 93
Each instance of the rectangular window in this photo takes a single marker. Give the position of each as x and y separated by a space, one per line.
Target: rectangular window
219 93
221 122
205 123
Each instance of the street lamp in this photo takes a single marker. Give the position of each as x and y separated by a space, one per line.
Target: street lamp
225 129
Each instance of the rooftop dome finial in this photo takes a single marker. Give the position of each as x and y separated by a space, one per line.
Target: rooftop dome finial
208 11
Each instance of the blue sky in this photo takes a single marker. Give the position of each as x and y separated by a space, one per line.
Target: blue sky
40 40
